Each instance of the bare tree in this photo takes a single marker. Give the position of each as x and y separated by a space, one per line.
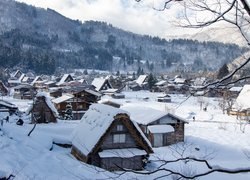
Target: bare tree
234 12
203 13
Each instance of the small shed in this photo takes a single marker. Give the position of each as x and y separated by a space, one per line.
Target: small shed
42 109
161 128
164 98
7 107
116 141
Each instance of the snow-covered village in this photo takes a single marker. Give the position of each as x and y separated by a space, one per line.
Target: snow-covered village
103 96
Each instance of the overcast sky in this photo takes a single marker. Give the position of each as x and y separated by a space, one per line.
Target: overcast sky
126 14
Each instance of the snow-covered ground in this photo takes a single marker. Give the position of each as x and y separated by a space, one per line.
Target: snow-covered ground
213 136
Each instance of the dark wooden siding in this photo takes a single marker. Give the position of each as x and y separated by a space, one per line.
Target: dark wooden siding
109 144
42 112
114 163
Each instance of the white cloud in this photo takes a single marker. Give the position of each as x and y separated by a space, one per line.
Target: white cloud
126 14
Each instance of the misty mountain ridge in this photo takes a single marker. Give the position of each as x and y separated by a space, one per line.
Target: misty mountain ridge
33 36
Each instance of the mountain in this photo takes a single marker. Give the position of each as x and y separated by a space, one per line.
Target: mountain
43 40
224 35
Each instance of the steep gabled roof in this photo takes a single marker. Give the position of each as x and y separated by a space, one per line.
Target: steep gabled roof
37 78
141 79
242 102
99 82
64 78
47 101
94 124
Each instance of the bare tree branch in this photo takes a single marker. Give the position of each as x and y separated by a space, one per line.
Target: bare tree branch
211 169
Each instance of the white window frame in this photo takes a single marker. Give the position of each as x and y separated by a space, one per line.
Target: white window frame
119 127
119 138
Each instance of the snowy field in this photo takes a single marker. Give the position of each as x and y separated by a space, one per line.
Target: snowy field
220 139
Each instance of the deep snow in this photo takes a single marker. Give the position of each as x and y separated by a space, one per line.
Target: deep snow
213 135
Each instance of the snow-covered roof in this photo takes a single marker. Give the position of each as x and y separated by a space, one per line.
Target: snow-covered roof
63 98
143 115
235 89
122 153
35 80
93 92
63 79
48 102
160 129
242 102
7 104
160 83
98 83
141 79
110 91
25 79
179 80
146 115
94 124
49 82
15 73
19 80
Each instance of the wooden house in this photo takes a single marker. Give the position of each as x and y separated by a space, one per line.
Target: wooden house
16 80
107 138
142 80
57 92
3 89
101 84
241 107
87 93
164 98
42 110
24 91
17 74
79 98
161 128
65 79
78 106
38 82
7 107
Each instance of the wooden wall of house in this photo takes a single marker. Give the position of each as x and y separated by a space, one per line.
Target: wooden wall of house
171 137
42 111
112 163
86 96
76 106
129 140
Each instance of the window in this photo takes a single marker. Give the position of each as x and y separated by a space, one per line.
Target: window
119 138
119 127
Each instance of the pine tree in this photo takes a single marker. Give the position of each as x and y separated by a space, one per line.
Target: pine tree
68 112
151 81
223 71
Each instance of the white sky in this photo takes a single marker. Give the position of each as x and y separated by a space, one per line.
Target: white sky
126 14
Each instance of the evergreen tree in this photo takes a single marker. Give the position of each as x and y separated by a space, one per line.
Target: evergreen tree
68 112
223 71
85 72
151 81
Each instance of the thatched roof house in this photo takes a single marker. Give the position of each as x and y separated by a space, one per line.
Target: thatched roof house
107 138
42 110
